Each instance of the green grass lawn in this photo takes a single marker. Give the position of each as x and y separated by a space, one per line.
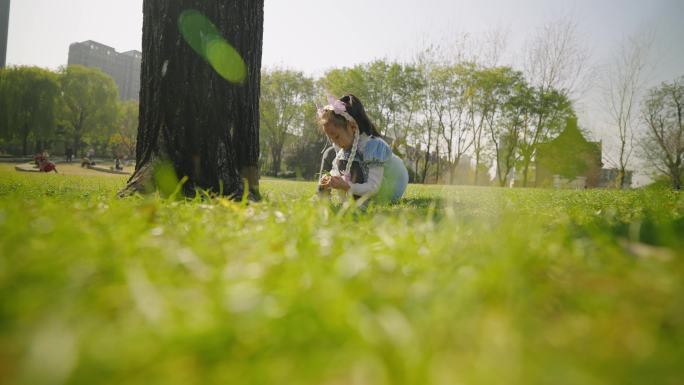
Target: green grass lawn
455 285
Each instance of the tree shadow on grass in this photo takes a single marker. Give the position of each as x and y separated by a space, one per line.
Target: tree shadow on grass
423 202
432 207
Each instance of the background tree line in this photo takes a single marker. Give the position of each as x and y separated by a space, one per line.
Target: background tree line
75 107
449 121
461 122
452 122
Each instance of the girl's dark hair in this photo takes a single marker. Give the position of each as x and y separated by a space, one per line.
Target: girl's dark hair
356 110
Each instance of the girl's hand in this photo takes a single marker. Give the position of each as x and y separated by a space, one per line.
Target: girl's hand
324 182
338 183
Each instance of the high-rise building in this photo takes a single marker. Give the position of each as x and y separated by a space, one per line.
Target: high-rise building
124 67
4 28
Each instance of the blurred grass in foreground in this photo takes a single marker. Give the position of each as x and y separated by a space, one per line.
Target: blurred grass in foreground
456 285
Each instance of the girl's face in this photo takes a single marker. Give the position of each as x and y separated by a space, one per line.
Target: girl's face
342 136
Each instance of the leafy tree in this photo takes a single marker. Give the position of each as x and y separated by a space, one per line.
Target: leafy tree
387 89
122 142
427 129
505 94
90 99
547 112
663 141
477 108
451 88
339 81
28 96
305 155
395 99
286 98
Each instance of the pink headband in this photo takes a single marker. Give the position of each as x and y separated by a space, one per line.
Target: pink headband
336 106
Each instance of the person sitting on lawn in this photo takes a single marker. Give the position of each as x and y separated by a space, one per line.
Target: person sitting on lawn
117 163
45 165
38 159
364 165
86 161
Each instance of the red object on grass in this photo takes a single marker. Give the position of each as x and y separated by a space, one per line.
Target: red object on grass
48 166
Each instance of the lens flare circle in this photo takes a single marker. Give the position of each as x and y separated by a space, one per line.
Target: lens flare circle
206 40
226 61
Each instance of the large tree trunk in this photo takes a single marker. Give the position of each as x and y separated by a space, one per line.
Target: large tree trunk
526 169
77 145
276 159
416 174
676 178
78 134
438 160
425 165
190 116
476 174
427 155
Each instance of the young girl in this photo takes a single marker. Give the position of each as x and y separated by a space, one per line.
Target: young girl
364 165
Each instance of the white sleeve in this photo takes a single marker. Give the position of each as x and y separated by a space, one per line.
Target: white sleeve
335 171
372 186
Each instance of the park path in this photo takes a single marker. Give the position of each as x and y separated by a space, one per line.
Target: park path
76 169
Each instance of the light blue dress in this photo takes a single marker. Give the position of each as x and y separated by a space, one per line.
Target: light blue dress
376 152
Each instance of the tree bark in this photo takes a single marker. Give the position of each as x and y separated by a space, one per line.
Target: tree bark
676 180
276 155
526 170
77 145
427 155
190 116
438 159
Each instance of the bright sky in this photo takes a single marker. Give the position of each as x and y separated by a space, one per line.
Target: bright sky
314 35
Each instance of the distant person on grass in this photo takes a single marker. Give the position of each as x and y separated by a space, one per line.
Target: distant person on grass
38 159
41 156
86 161
363 165
69 154
117 163
45 165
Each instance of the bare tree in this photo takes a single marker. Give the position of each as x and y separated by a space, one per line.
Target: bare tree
492 47
624 82
663 142
556 59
